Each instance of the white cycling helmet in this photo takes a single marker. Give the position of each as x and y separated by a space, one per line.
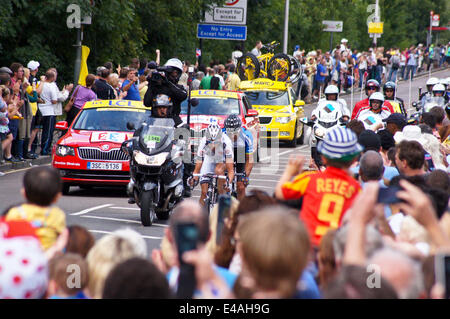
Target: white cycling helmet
432 81
213 130
377 96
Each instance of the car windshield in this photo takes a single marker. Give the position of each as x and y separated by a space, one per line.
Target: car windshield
268 98
214 106
101 119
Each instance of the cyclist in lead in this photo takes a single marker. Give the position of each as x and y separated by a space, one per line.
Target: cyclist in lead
242 141
214 156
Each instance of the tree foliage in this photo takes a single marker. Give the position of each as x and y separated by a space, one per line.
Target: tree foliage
122 29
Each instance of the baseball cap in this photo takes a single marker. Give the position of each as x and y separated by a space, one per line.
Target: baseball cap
297 47
369 140
396 118
152 65
5 69
339 143
33 65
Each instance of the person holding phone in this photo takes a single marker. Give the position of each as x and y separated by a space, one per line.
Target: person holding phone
131 86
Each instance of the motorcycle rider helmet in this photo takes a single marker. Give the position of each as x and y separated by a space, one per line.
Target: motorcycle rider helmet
212 132
161 100
233 122
438 88
377 96
172 65
432 82
331 89
444 82
389 85
372 84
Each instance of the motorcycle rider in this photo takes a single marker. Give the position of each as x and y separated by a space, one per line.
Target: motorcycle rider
389 95
426 96
371 87
166 82
377 108
242 141
332 94
161 106
214 156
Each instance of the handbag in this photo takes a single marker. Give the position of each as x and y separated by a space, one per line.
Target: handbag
69 104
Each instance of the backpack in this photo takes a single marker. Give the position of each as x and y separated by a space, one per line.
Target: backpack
395 62
215 83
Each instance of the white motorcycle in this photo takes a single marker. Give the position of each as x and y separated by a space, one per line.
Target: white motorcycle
371 121
325 117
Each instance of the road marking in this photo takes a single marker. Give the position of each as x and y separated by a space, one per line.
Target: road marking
269 157
23 169
88 210
108 232
125 208
122 220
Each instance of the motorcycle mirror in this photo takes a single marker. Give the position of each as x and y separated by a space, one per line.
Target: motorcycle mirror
130 126
124 147
194 101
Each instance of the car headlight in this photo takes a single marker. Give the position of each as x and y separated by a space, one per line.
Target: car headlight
154 160
319 132
284 119
63 150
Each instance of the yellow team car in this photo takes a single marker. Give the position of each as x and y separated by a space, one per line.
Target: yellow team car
279 109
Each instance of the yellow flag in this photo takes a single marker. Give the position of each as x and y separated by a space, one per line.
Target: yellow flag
84 68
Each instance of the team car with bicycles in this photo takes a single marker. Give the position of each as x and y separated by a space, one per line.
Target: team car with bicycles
280 112
89 153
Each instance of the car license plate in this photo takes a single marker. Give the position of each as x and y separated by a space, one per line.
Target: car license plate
104 166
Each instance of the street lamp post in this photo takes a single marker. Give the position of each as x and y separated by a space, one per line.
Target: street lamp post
286 26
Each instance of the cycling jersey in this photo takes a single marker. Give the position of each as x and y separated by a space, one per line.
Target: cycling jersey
213 153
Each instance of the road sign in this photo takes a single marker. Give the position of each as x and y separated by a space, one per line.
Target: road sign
221 32
435 20
233 12
375 27
333 26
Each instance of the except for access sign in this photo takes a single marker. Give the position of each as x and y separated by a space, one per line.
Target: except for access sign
221 32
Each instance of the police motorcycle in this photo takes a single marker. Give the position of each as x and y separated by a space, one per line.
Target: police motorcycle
428 102
156 165
325 117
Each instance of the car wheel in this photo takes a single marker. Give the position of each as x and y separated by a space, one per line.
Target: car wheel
293 143
147 208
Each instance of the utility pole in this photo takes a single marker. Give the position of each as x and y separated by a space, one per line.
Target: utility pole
286 26
431 23
78 45
377 19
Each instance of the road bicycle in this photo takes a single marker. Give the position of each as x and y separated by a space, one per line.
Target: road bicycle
277 67
213 193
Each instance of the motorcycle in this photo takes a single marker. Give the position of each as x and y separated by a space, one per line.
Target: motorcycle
156 174
371 121
425 107
328 115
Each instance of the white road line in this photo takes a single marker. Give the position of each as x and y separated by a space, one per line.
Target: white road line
282 153
122 220
125 208
88 210
108 232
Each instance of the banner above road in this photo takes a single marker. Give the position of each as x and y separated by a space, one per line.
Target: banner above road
234 12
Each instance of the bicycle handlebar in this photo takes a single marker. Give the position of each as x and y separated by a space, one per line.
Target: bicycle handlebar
211 175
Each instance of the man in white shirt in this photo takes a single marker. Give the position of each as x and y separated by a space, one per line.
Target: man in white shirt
257 49
51 108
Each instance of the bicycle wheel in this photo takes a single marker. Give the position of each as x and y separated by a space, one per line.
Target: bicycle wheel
296 70
248 67
279 67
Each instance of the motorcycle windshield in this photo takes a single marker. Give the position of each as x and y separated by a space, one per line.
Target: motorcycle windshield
157 135
434 101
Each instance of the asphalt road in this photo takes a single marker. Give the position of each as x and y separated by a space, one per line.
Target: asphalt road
103 210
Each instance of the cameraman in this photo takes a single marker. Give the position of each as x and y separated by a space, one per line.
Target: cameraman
165 82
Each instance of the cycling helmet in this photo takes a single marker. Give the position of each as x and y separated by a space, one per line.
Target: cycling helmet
372 83
233 122
213 130
174 65
438 88
377 96
162 100
331 89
